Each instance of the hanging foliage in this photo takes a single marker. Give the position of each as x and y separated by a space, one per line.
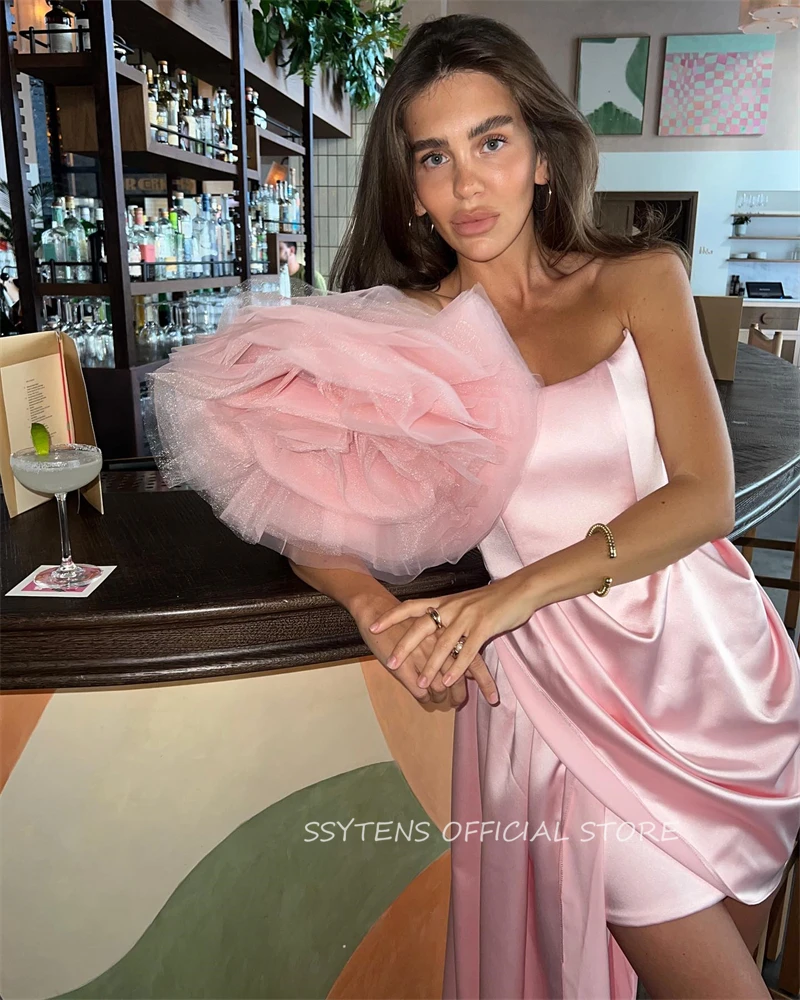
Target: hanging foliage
337 35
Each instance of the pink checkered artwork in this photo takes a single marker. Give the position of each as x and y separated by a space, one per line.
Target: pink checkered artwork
716 85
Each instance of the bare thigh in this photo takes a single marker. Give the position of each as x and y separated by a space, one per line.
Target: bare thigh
705 956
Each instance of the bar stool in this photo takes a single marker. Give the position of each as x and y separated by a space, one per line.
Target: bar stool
757 338
749 540
781 937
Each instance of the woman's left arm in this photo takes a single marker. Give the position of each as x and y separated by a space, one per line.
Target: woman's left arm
696 505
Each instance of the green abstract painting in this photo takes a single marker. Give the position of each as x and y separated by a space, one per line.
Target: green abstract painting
612 78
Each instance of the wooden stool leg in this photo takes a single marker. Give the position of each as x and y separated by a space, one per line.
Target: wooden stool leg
747 550
793 597
789 977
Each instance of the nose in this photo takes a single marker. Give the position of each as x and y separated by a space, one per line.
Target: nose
466 181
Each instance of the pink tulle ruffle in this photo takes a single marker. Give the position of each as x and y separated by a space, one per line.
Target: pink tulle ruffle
356 429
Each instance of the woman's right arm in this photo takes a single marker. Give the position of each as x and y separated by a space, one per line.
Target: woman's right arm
365 598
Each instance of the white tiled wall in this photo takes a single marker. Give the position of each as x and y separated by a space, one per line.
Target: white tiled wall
336 166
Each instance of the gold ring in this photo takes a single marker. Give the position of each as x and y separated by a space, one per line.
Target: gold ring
458 646
435 615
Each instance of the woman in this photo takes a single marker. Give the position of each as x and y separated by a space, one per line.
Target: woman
636 678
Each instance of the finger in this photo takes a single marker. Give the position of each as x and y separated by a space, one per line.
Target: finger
442 658
414 635
438 691
480 674
399 613
458 693
407 676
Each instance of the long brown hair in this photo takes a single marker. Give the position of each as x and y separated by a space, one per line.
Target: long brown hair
380 247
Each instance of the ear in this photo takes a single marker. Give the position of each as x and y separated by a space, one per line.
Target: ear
542 173
419 208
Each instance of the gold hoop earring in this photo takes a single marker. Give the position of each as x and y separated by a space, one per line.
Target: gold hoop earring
410 221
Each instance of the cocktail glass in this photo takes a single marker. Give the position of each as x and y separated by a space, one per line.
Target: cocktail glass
64 468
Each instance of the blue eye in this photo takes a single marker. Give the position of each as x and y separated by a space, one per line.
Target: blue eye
430 156
496 138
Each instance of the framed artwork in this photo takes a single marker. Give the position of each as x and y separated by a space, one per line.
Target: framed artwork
716 84
612 77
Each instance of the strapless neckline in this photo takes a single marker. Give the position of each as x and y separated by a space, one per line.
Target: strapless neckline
478 290
626 334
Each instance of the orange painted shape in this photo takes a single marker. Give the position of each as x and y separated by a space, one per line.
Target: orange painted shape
20 712
403 953
421 741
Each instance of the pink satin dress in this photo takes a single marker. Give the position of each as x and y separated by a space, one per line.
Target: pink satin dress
643 763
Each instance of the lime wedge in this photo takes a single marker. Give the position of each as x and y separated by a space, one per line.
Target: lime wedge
40 436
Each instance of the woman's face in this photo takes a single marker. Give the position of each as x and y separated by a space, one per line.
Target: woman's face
474 163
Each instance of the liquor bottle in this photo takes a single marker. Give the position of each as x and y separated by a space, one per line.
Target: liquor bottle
188 126
82 26
134 251
53 247
183 224
85 213
167 108
77 244
143 235
205 126
97 246
166 250
259 113
58 22
202 236
228 237
152 103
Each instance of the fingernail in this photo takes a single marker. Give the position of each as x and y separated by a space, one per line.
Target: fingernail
372 628
495 700
392 661
448 680
423 682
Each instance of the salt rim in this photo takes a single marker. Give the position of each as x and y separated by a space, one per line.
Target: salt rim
29 460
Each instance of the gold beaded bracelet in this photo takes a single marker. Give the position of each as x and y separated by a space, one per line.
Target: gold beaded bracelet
612 551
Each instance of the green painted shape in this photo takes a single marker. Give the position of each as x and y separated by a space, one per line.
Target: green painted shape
636 70
267 915
609 119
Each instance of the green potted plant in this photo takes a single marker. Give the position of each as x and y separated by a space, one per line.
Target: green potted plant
740 225
350 41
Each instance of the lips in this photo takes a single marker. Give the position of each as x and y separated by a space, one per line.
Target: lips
479 215
474 223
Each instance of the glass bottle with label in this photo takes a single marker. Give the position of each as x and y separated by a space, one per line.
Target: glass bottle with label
77 244
82 26
152 103
53 248
188 126
59 24
167 106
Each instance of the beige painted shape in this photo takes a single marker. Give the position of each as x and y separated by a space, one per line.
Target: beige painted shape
121 792
421 741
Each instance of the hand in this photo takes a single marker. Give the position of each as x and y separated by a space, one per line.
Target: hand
477 614
434 696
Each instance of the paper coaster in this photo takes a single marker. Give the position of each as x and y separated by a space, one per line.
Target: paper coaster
27 588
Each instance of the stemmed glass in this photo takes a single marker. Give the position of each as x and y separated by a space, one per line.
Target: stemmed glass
64 468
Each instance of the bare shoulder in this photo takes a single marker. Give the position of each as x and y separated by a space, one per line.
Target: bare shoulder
644 285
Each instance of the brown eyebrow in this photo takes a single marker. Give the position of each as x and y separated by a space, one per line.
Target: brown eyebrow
493 122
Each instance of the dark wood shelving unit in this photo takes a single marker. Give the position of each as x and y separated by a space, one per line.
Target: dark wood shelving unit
71 68
113 106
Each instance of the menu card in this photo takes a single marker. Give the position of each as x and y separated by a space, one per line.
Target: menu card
41 382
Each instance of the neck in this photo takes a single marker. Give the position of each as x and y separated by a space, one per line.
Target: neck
518 276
